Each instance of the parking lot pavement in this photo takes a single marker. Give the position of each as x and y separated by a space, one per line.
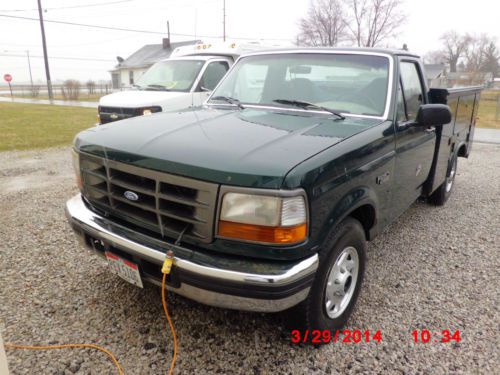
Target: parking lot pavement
487 135
436 268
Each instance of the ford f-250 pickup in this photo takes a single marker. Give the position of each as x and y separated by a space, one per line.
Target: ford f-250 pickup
268 194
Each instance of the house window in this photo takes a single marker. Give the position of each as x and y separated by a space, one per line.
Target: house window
131 77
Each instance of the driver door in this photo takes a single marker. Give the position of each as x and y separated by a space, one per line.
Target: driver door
414 143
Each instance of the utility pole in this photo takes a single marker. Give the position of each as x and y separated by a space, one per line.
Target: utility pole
168 30
29 67
224 20
45 57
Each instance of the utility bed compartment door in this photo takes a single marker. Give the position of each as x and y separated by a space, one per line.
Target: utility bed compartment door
463 104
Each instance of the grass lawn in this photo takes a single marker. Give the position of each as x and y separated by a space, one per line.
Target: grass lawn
28 126
486 117
81 98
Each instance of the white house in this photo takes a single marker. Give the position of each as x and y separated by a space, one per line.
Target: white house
130 69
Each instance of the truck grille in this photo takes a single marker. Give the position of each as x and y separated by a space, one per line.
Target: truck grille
109 114
157 201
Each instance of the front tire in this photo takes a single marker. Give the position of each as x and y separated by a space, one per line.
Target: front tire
337 283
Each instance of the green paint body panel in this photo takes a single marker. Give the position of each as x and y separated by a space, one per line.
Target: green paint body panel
253 148
364 166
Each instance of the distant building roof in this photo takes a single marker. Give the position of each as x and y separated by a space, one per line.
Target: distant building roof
151 53
433 71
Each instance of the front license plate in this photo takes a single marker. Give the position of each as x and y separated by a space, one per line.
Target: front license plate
124 268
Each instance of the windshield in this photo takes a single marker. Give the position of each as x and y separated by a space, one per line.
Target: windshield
171 75
346 83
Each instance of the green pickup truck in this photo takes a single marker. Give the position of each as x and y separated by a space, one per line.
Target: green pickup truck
268 193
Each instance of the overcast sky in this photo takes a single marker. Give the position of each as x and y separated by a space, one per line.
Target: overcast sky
273 20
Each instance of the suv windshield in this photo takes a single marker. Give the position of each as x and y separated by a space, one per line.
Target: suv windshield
346 83
171 75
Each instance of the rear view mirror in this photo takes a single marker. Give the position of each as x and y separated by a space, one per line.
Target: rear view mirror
300 69
433 115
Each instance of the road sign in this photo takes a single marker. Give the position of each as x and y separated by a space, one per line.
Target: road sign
7 77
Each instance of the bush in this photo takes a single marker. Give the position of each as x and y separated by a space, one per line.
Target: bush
35 91
71 89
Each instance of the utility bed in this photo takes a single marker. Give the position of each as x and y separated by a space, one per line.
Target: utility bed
457 136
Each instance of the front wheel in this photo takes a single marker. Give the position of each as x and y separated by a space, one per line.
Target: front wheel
337 283
443 192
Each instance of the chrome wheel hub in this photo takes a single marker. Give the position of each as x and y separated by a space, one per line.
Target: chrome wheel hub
341 282
451 177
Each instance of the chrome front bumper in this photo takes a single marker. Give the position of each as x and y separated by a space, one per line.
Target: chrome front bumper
212 279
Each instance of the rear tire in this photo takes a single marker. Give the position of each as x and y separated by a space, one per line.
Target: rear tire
337 283
443 192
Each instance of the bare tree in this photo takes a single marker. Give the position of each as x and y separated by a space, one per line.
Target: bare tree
455 47
371 22
475 53
324 24
90 86
435 57
491 62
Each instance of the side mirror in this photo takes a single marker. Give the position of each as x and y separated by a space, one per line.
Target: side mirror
433 115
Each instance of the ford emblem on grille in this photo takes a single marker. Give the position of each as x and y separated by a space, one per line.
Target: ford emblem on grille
131 196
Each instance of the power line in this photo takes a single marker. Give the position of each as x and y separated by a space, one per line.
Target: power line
68 7
132 30
85 25
58 57
52 45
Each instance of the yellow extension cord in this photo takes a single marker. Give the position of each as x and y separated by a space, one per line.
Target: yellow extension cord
167 265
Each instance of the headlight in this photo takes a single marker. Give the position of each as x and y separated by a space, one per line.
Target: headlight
261 218
76 167
150 110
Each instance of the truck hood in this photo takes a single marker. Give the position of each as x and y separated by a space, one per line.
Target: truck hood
139 98
251 147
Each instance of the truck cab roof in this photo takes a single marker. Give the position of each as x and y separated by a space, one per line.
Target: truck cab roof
387 51
195 57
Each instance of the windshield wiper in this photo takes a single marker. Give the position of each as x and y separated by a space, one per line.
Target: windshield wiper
230 100
157 87
307 105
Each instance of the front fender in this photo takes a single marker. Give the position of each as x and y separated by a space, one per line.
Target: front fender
350 202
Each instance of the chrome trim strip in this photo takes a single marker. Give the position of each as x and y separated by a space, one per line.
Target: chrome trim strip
257 106
319 51
211 298
83 218
225 301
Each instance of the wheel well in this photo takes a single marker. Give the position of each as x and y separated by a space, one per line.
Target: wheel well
366 216
462 151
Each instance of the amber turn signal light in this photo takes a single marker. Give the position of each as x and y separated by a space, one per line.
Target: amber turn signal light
261 233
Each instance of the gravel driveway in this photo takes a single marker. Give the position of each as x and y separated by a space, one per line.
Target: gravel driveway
435 268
